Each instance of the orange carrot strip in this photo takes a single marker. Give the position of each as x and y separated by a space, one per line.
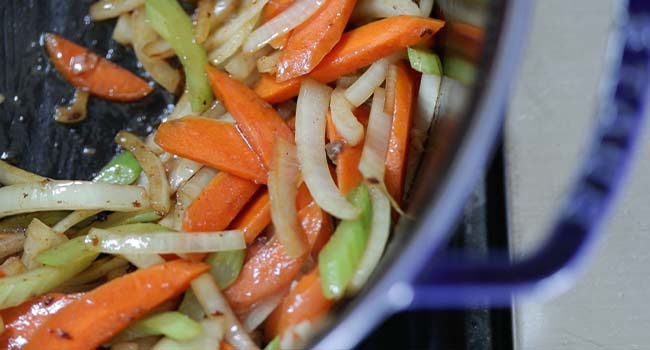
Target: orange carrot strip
219 203
254 218
269 269
347 162
90 72
256 119
103 312
305 302
314 39
398 143
356 49
226 346
21 321
214 143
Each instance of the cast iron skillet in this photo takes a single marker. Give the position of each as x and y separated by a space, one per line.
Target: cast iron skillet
468 123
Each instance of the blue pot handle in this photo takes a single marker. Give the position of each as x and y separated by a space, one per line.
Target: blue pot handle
452 280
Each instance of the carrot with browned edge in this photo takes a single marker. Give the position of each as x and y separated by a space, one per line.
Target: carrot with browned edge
105 311
260 124
315 38
305 302
21 321
211 142
269 269
90 72
398 144
348 176
219 203
356 49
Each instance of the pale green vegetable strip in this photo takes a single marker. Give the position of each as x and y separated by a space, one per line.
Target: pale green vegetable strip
123 169
273 344
190 306
212 331
172 324
171 22
225 266
424 61
17 289
63 254
124 218
341 255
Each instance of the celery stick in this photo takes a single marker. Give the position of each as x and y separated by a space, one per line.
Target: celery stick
171 22
273 344
225 266
172 324
460 70
424 61
341 255
123 218
139 228
17 289
123 169
190 306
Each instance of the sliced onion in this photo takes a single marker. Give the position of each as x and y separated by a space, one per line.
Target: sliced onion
106 241
261 311
13 266
183 108
39 238
311 112
212 333
225 51
161 71
293 16
11 175
142 261
373 156
74 218
226 32
186 195
123 33
150 142
426 6
97 270
202 20
213 302
286 109
70 195
240 66
152 166
269 63
215 111
346 123
106 9
181 171
10 244
159 49
427 101
371 79
125 346
346 81
368 10
391 87
77 110
379 231
295 336
284 177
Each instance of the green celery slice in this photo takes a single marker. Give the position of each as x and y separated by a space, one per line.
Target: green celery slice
171 22
273 344
424 61
460 70
123 169
172 324
225 266
339 259
140 228
190 306
64 254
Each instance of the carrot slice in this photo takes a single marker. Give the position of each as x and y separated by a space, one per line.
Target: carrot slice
90 72
314 39
214 143
21 321
226 346
254 218
347 162
256 119
305 302
103 312
218 204
269 269
356 49
398 143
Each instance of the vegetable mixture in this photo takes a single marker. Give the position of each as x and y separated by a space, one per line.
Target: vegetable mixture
266 195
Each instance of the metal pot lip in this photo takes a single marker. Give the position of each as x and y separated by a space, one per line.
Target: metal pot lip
394 289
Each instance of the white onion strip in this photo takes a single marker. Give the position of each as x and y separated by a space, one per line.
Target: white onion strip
379 231
39 237
311 112
181 171
426 6
212 331
142 261
284 176
74 218
152 166
186 195
70 195
11 243
230 47
375 146
344 119
123 33
371 79
106 241
261 311
367 10
293 16
226 32
213 302
106 9
11 175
